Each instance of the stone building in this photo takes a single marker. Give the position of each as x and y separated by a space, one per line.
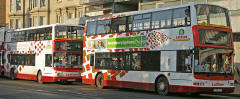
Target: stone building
3 13
28 13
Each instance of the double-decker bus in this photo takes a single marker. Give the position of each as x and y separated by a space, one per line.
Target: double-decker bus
2 32
50 53
184 49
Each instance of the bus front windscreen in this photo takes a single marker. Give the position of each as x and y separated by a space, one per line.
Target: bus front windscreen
212 60
211 14
67 60
214 37
68 32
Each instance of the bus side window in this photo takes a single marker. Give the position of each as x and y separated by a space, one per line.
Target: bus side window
41 33
118 25
32 59
184 61
181 17
142 21
161 19
136 61
92 60
129 23
48 60
103 26
48 35
91 28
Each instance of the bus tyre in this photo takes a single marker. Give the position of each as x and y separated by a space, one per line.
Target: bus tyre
39 77
12 75
100 81
162 86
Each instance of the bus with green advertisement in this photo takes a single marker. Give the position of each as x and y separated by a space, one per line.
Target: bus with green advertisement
181 49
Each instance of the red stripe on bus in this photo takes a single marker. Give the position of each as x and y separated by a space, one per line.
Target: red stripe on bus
67 40
194 89
68 51
206 77
68 69
151 86
26 76
46 78
116 50
55 79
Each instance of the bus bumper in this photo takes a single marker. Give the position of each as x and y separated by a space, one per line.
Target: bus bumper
196 89
61 79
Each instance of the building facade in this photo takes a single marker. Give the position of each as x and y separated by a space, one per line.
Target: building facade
28 13
3 13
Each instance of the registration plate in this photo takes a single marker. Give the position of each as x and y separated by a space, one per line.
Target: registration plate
71 80
217 90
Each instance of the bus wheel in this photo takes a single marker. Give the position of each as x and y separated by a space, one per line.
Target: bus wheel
39 77
162 86
100 81
12 75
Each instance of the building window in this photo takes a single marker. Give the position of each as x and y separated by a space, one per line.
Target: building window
30 4
236 37
58 18
71 15
59 0
35 21
18 24
11 5
30 22
63 18
42 3
18 5
35 3
42 20
80 14
11 23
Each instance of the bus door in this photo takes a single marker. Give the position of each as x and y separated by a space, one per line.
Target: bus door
168 61
48 64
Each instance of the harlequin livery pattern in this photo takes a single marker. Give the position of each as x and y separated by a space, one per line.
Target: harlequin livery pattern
32 47
155 39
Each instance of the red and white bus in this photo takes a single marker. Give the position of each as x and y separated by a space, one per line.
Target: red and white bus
183 49
2 33
51 53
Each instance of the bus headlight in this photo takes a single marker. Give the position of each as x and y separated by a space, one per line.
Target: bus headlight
198 83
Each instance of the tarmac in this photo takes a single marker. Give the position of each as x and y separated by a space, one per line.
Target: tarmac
236 92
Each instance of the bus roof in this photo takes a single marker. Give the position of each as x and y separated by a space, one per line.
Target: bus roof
45 26
146 11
